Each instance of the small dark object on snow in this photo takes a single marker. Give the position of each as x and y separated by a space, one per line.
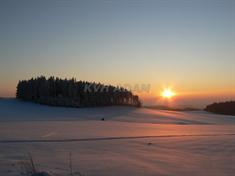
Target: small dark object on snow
41 174
150 143
102 119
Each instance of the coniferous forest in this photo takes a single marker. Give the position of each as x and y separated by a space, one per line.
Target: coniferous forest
71 93
227 108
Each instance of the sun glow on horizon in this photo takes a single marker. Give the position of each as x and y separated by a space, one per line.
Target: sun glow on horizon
167 93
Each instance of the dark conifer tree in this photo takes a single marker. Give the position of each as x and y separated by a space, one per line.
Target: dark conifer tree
63 92
227 108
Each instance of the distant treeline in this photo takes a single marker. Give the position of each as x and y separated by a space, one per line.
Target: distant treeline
69 92
227 108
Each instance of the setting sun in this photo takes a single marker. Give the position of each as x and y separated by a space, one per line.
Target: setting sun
167 93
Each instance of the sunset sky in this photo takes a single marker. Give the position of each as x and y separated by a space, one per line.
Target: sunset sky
185 45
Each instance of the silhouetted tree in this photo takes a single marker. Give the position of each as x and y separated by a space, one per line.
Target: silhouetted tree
227 108
69 92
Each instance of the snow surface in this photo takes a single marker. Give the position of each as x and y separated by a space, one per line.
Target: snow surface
131 141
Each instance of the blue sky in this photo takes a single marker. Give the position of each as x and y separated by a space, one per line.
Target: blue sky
186 44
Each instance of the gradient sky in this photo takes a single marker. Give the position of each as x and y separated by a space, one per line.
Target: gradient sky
184 44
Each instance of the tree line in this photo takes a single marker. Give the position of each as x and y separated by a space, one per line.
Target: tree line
71 93
227 108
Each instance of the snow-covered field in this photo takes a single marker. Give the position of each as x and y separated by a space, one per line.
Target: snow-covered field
130 141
